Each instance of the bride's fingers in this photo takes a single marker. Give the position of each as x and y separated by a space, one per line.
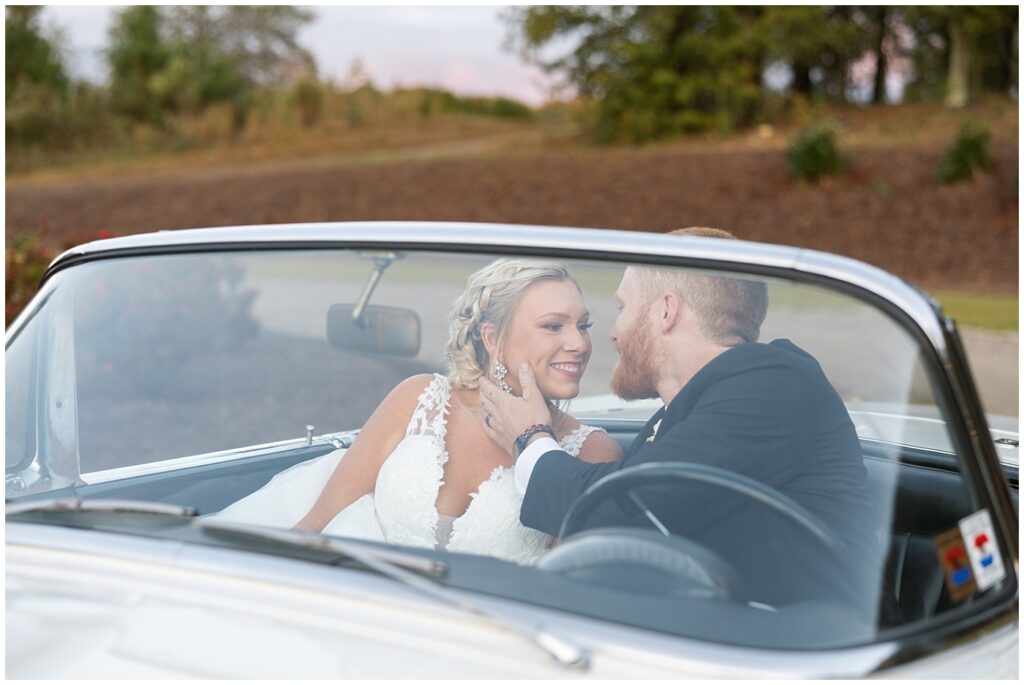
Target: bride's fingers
528 383
486 401
492 433
488 391
492 399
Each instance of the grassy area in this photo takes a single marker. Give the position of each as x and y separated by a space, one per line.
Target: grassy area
995 312
381 126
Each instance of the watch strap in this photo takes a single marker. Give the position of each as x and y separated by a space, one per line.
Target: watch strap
524 437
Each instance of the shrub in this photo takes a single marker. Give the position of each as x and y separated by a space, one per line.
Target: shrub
354 113
27 256
26 259
499 107
814 154
308 97
967 153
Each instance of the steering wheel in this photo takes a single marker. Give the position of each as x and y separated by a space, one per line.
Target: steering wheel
692 562
644 561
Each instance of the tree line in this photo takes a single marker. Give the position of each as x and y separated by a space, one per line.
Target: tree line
660 71
646 72
192 77
163 61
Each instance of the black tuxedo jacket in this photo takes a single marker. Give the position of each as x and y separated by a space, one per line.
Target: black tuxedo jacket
765 411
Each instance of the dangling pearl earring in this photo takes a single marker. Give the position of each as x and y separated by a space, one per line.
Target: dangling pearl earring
499 376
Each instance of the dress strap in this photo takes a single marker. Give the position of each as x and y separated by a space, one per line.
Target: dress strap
429 416
573 441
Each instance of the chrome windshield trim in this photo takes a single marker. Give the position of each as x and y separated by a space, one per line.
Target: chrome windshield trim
26 314
337 440
595 243
917 304
429 234
589 242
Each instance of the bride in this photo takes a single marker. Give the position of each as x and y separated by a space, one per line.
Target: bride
423 471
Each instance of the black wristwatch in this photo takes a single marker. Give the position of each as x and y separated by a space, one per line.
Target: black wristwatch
520 444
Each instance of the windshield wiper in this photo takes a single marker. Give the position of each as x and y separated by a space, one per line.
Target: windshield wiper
312 541
396 565
106 506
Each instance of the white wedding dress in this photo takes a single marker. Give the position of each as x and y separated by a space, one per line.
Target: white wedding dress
402 508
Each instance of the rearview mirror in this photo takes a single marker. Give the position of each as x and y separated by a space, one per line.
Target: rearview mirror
391 331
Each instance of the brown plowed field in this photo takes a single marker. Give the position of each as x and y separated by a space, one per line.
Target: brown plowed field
887 210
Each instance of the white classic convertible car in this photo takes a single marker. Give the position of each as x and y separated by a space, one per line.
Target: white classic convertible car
160 387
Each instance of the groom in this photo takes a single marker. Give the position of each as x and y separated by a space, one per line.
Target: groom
765 411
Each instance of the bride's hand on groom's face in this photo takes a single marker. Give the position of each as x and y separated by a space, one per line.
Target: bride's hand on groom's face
509 415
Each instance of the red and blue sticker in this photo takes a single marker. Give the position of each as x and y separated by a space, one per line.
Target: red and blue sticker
986 562
970 557
956 565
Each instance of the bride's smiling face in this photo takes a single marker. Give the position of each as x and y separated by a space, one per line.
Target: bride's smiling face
550 330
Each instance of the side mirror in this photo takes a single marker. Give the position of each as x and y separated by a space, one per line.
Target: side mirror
390 331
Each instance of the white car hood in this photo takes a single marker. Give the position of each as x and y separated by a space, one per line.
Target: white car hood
145 608
99 618
182 612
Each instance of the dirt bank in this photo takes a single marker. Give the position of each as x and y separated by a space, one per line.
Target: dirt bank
887 210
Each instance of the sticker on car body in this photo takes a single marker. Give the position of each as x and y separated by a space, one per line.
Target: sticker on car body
980 540
956 564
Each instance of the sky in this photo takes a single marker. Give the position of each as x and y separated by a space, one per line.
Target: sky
458 48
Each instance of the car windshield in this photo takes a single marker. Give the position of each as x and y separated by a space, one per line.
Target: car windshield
806 450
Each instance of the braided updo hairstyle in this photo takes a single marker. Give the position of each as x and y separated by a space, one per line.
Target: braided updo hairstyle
490 297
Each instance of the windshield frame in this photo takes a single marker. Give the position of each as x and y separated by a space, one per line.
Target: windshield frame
914 311
917 313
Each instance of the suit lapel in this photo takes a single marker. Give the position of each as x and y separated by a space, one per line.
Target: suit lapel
646 432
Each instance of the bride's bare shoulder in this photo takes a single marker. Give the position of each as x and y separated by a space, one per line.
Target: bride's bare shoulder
406 393
392 414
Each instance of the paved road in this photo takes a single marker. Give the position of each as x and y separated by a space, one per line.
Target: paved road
995 365
875 365
218 400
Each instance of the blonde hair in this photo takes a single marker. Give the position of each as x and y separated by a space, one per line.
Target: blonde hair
729 311
491 296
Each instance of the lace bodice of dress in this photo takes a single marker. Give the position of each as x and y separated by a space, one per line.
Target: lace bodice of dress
409 480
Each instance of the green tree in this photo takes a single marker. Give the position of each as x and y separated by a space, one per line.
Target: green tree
879 18
263 41
260 43
818 44
186 58
37 90
198 73
32 58
138 56
655 71
962 51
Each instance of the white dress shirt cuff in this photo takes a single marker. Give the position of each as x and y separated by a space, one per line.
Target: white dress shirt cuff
528 459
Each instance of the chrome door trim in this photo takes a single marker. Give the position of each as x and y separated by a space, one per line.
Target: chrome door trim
338 440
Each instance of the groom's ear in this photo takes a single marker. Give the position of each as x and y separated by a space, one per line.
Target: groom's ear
670 309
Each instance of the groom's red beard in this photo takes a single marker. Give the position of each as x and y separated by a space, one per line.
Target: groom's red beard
635 376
